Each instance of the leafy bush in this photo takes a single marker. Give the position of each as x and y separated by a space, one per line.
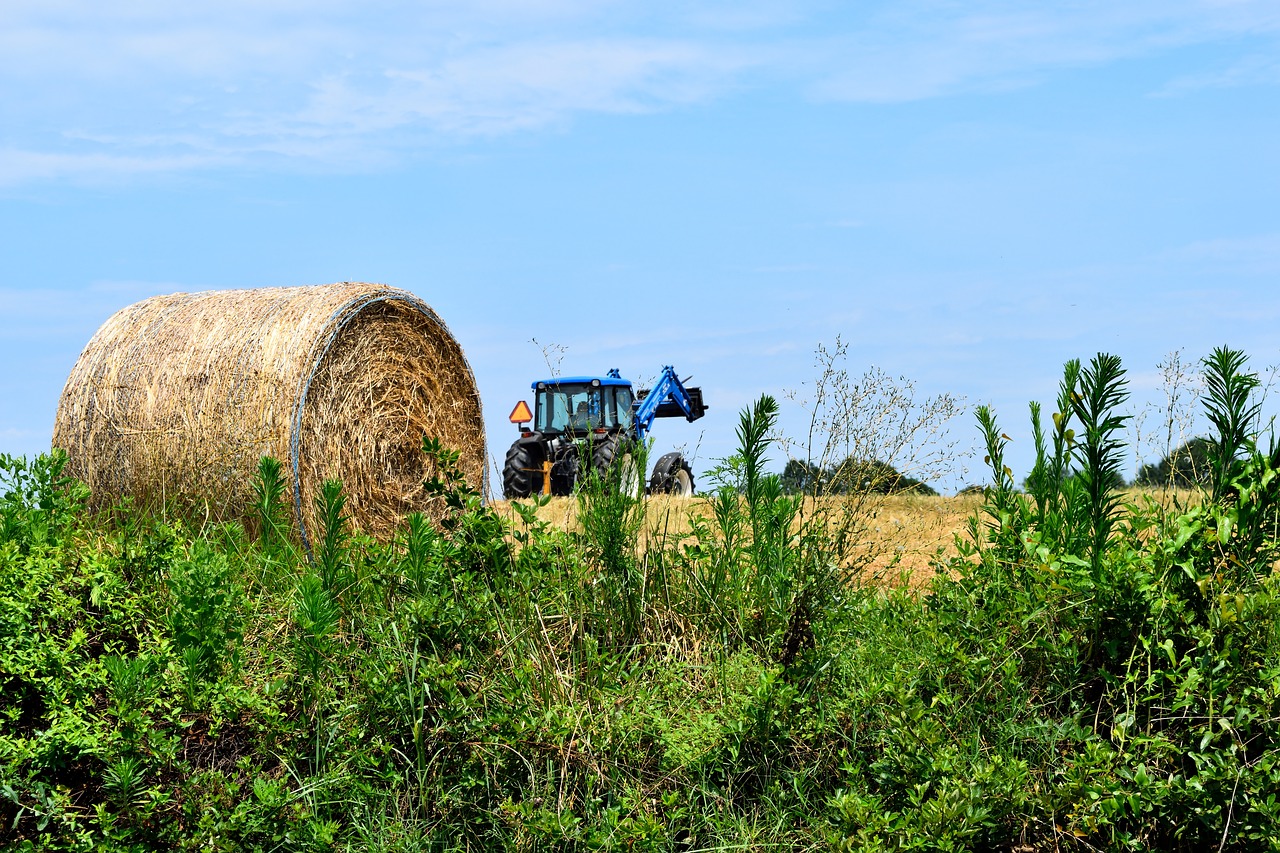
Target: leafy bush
1084 675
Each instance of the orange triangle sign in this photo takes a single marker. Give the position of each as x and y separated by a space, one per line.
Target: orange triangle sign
521 414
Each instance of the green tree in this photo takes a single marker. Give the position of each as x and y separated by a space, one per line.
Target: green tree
800 477
873 477
1186 467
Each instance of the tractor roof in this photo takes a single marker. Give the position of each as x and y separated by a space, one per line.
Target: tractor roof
583 380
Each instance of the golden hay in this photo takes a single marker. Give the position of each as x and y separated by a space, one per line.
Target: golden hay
177 397
897 534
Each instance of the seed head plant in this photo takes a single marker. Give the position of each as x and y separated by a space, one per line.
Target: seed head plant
866 437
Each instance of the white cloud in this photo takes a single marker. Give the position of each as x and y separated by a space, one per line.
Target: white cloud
1252 70
24 442
107 90
520 86
1256 255
171 93
71 316
18 166
933 48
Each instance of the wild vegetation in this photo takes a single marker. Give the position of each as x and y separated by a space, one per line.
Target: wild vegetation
1078 678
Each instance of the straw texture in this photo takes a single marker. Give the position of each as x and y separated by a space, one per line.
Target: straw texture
177 397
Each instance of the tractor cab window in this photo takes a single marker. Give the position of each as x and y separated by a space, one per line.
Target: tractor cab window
579 407
576 407
622 406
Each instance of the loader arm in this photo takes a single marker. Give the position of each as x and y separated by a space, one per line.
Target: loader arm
668 398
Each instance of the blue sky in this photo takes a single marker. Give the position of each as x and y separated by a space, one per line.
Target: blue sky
967 193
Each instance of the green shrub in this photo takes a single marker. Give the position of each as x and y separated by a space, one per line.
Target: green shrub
1084 675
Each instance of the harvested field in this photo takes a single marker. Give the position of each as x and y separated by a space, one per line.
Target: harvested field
903 538
900 535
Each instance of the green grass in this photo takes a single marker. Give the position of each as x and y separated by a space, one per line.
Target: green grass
1080 678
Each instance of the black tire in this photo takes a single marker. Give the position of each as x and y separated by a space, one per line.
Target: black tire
614 459
564 470
520 477
672 476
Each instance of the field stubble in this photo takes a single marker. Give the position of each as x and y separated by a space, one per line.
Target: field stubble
900 538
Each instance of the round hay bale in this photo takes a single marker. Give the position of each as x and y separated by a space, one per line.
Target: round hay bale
176 398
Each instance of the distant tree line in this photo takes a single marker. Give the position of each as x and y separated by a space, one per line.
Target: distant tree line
852 476
1186 467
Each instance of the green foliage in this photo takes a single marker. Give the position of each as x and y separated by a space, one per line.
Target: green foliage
316 617
1126 625
767 578
800 477
331 555
1186 467
1231 410
611 514
1001 499
1083 676
1101 390
206 617
35 497
1052 469
754 426
268 506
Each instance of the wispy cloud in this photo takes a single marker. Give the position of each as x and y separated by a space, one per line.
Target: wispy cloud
515 87
19 166
931 48
1256 255
1253 70
71 316
97 91
10 434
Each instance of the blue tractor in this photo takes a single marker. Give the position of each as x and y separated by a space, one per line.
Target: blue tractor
596 421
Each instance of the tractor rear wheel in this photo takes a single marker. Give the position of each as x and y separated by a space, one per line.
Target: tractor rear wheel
520 476
672 476
614 459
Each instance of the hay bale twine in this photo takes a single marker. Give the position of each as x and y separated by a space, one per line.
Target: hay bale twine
177 397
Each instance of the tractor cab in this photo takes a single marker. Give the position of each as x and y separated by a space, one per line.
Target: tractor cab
581 406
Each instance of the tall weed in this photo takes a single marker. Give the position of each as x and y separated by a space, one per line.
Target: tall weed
206 620
611 514
269 489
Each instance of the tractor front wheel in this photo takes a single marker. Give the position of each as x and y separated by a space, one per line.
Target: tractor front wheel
614 459
672 476
520 474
